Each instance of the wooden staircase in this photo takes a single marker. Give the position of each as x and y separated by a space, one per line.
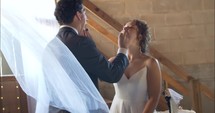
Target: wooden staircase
195 87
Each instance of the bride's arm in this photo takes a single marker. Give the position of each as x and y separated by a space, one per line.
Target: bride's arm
153 85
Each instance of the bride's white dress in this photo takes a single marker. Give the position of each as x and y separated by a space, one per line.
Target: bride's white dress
130 94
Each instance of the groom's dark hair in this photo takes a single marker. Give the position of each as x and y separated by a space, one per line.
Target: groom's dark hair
66 9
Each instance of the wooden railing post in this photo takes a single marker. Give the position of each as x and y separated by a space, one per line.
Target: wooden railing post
196 95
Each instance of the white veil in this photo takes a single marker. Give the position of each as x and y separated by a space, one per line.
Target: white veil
51 75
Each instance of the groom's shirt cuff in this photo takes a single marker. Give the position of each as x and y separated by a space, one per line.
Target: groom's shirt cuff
124 51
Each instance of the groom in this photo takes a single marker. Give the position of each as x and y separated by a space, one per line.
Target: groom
71 16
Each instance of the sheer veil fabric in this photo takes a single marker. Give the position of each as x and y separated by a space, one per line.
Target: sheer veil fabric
47 72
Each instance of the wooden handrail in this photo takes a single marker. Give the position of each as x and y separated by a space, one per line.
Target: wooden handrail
174 83
174 68
102 15
206 91
102 30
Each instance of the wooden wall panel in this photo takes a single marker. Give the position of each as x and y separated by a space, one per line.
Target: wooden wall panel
13 99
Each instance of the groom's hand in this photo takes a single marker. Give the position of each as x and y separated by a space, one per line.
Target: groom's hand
85 32
123 40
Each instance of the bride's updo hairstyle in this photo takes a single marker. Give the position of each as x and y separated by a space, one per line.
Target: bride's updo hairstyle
143 35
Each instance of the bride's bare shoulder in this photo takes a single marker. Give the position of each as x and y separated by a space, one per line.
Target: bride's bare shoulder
149 60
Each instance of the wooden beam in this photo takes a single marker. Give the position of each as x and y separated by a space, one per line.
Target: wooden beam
174 83
173 67
101 14
206 91
102 30
7 78
196 96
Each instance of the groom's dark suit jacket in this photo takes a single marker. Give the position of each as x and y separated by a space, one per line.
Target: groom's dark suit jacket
94 63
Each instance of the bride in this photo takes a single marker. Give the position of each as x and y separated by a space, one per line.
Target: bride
26 28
